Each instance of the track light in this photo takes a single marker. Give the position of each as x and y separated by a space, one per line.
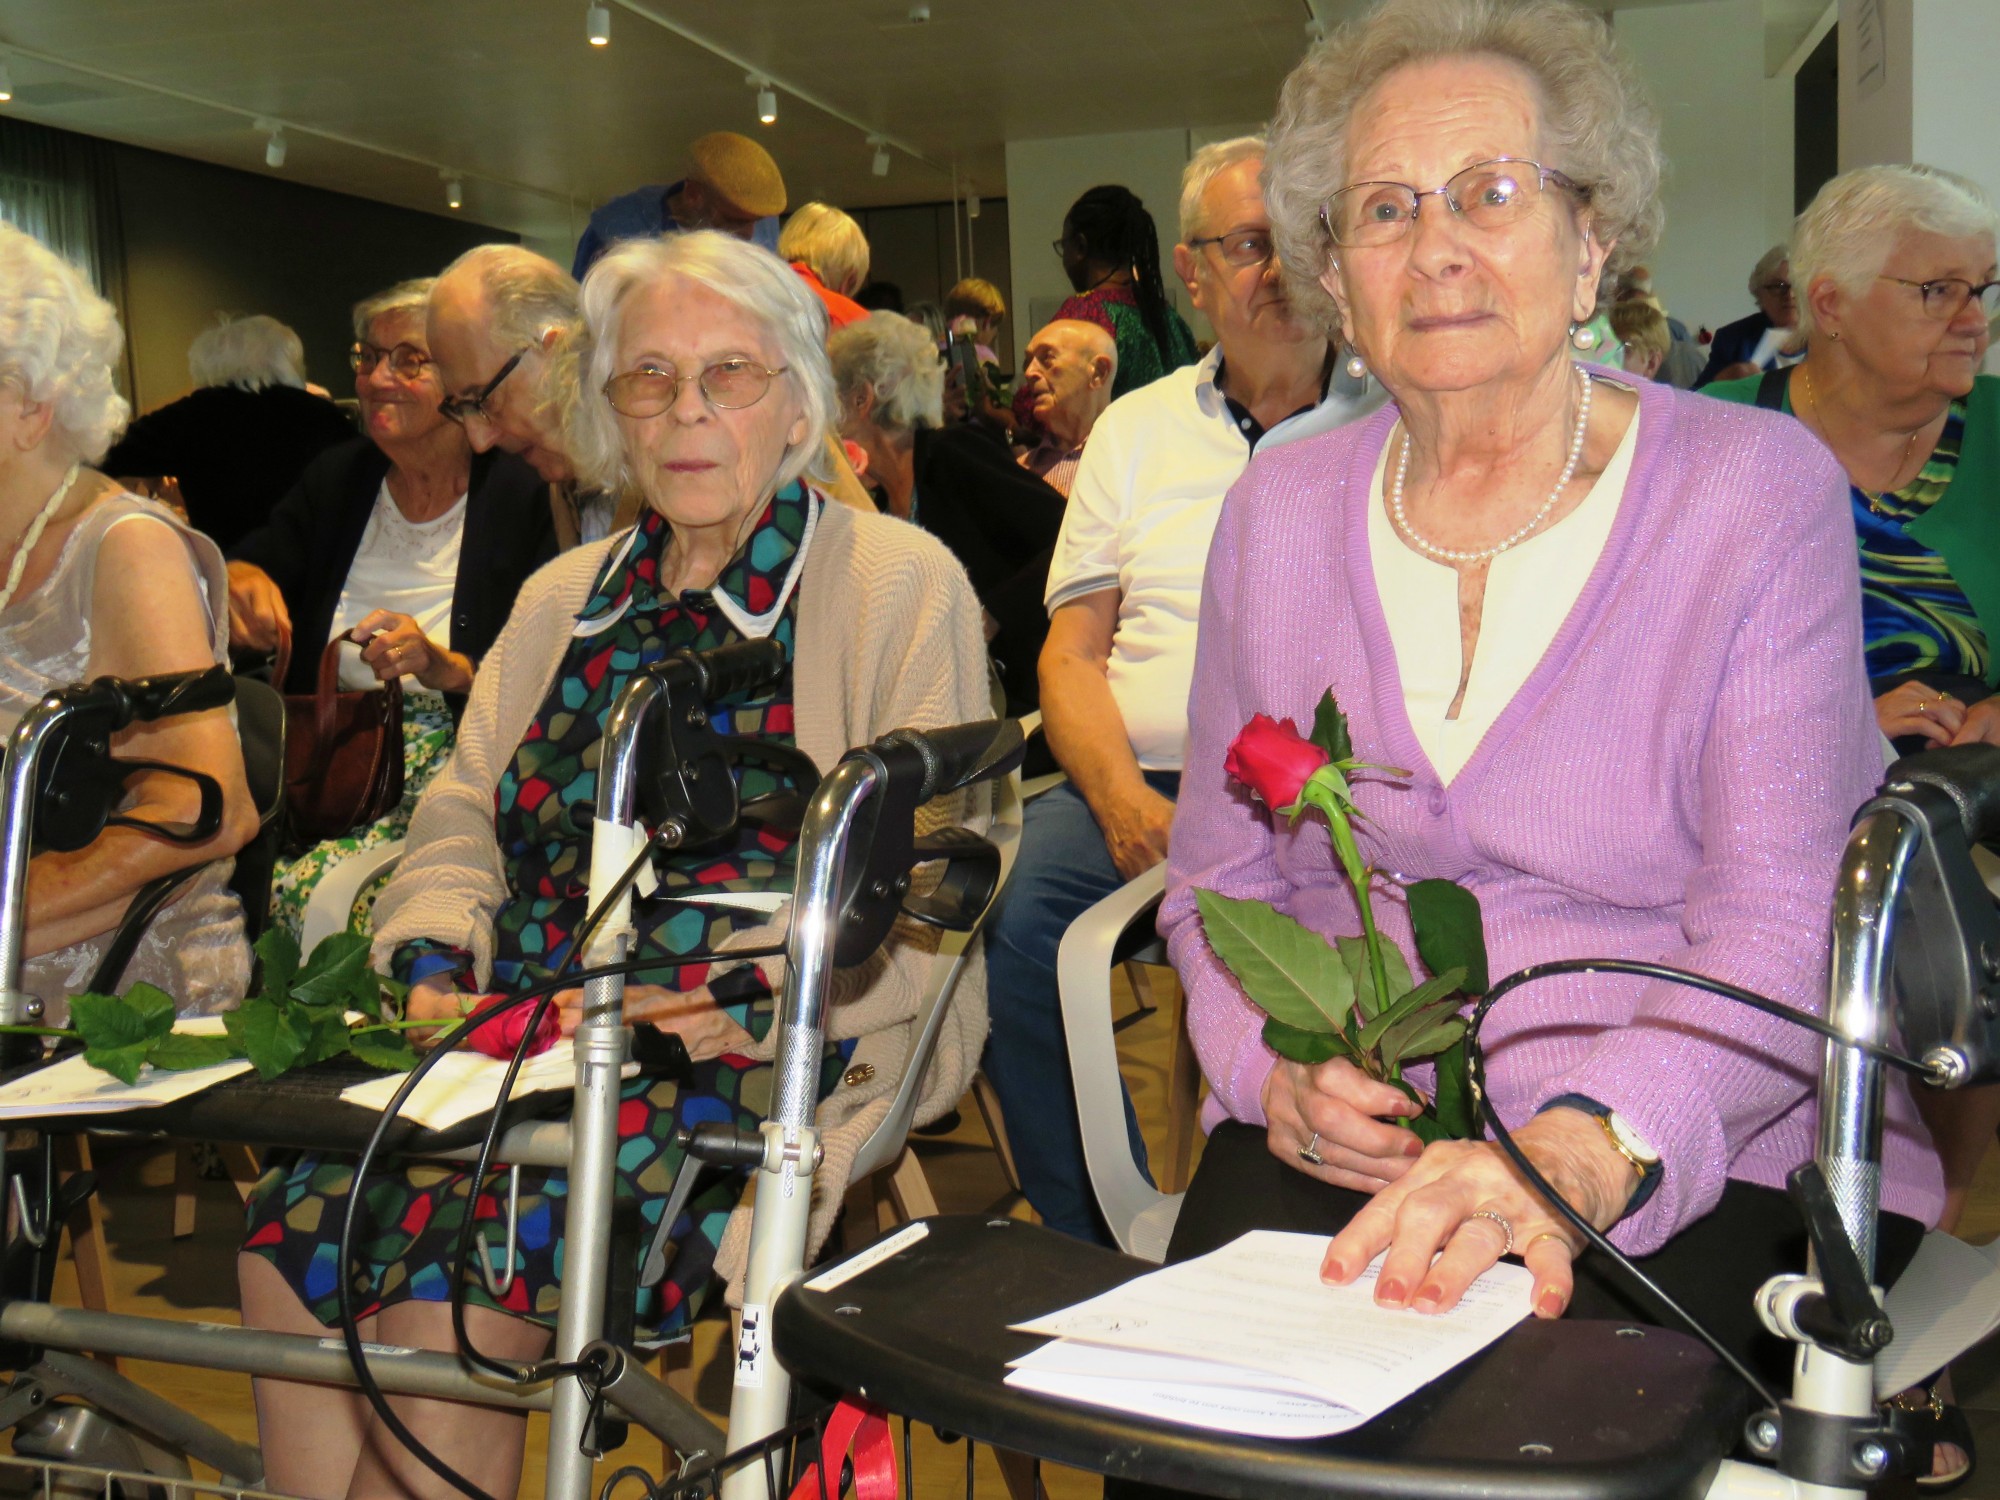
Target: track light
767 105
274 146
972 205
597 22
454 194
6 82
881 163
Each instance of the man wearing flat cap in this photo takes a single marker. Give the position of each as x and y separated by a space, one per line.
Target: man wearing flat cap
731 184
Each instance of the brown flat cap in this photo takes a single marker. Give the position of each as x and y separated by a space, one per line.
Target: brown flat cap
739 170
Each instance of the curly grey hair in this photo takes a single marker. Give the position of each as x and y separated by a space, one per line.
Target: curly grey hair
1598 127
403 297
751 277
59 343
899 361
1849 229
249 353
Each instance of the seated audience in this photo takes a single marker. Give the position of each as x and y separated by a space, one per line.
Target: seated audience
1643 336
1067 382
828 249
730 184
1624 682
960 483
240 439
1111 253
496 325
403 541
1682 365
1122 598
102 583
1765 340
706 386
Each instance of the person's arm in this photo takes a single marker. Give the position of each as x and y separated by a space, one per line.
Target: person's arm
268 568
1087 734
147 617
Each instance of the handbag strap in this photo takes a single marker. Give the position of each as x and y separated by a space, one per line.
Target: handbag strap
326 692
1771 389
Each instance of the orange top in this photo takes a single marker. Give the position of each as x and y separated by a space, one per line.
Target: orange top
842 310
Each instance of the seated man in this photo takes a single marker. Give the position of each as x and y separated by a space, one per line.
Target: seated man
1071 366
1123 596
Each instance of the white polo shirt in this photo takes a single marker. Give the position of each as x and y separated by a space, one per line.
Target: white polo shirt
1142 511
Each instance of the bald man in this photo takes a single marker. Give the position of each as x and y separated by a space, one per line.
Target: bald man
1067 384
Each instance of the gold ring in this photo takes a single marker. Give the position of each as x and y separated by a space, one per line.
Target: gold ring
1500 1219
1547 1234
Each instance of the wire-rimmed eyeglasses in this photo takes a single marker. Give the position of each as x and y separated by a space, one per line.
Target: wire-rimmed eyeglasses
730 384
1241 248
1489 194
1945 298
406 361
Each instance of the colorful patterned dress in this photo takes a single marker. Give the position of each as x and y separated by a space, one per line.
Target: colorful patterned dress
1914 616
542 811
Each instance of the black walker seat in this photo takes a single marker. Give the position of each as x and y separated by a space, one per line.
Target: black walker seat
1554 1411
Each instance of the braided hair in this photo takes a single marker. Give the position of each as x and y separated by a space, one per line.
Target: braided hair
1117 231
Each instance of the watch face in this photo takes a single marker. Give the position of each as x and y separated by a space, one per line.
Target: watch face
1630 1139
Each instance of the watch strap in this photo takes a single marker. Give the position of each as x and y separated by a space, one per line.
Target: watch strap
1649 1173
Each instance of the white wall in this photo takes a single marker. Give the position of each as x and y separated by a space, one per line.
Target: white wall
1956 124
1704 64
1875 126
1045 177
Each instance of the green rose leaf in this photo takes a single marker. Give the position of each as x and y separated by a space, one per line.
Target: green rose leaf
271 1035
1435 1037
384 1049
177 1052
1445 916
1454 1108
1427 993
1354 958
278 957
122 1063
1288 970
326 1036
1329 730
338 974
135 1018
1309 1047
1399 1042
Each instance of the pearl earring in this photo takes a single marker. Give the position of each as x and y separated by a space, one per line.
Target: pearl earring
1583 336
1357 368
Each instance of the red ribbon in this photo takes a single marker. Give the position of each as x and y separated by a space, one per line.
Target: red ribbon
865 1429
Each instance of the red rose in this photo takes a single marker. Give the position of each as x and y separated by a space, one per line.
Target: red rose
500 1037
1273 759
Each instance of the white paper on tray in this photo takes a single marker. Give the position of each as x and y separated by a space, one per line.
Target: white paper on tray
74 1087
1195 1392
1256 1317
463 1084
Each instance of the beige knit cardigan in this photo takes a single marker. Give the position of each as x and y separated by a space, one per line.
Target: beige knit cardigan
888 635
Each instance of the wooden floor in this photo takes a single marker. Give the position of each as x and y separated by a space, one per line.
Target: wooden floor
192 1279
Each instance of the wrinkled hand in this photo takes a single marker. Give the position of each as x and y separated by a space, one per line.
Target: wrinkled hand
692 1015
1430 1210
394 645
1135 830
1918 708
258 619
1981 724
1340 1103
434 999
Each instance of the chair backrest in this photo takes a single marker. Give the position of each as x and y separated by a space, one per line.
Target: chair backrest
886 1143
260 725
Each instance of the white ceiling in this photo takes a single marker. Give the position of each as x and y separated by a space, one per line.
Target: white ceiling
379 95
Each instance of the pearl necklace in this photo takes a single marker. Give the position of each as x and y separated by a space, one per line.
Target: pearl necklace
1484 554
34 534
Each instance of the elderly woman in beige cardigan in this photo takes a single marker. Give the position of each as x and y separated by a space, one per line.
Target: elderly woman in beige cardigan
704 385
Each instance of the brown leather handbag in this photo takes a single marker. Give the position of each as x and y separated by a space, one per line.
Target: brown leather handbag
343 753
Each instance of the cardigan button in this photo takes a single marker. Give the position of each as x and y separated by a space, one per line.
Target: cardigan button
1439 802
857 1075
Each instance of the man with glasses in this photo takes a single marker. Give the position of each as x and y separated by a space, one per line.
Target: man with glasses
1762 341
496 318
1123 597
1067 384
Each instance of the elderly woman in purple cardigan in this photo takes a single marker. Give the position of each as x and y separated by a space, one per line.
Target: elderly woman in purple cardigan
1613 632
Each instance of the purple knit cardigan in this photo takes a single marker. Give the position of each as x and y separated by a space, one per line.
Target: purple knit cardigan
1673 782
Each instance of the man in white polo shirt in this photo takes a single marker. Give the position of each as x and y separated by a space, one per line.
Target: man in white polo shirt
1124 594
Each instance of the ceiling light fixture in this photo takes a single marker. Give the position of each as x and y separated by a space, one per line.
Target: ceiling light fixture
972 205
881 164
274 145
767 105
6 82
597 21
454 194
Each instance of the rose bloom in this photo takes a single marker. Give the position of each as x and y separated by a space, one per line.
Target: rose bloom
1273 759
500 1038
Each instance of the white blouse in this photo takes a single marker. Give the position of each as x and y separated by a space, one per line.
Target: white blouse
1530 590
407 566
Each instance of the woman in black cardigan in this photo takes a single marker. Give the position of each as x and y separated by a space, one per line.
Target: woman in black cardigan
404 542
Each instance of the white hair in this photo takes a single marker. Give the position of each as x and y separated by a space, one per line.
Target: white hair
1853 223
1597 126
1210 162
1767 265
403 297
250 353
526 294
898 360
759 284
830 243
59 342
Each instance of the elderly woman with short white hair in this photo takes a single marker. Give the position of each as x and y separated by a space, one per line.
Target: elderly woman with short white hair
704 386
99 582
1610 630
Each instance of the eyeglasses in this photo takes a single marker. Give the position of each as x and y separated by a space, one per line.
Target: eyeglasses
730 384
1061 246
459 408
1777 288
406 361
1240 247
1946 297
1489 194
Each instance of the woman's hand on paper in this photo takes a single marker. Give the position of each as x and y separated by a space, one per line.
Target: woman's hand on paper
1334 1108
692 1015
1448 1218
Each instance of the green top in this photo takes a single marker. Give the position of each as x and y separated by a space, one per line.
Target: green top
1961 526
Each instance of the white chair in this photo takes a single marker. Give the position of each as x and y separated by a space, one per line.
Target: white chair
332 900
1140 1216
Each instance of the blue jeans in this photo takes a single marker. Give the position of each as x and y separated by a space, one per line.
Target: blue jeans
1063 870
